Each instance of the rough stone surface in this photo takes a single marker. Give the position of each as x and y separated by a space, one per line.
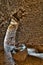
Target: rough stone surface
30 31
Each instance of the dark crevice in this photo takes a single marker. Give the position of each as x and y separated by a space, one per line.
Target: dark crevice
15 15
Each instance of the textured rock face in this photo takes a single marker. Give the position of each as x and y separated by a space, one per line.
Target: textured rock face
30 18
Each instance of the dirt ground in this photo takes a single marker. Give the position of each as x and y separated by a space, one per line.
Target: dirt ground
29 15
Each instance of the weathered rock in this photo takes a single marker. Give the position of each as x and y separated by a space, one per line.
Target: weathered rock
31 24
